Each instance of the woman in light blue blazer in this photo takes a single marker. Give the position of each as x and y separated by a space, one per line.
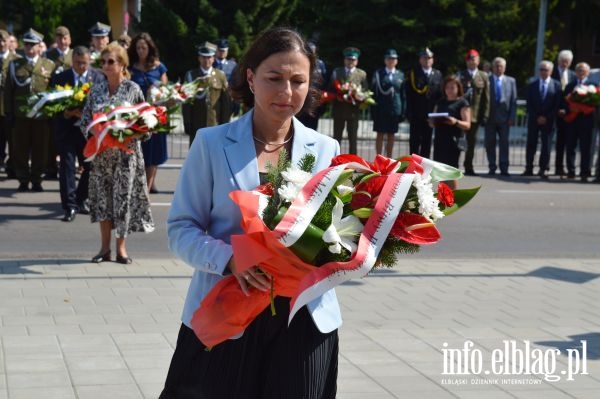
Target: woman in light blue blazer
270 359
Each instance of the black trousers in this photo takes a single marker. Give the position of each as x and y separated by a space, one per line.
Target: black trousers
70 150
270 361
580 131
420 135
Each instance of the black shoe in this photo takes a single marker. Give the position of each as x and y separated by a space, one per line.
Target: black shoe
491 172
84 208
23 187
37 187
505 174
105 257
153 190
527 173
570 175
69 215
560 172
470 172
542 175
124 259
584 179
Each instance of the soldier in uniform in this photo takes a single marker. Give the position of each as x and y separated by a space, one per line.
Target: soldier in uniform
211 106
228 66
5 124
100 39
61 55
344 113
476 85
423 91
26 76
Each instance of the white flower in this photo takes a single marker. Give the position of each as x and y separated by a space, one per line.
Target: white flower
428 202
581 90
150 119
342 232
345 188
289 191
295 175
591 89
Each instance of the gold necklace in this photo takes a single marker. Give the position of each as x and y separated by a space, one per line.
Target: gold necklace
273 144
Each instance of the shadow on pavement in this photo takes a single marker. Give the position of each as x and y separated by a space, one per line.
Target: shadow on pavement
592 344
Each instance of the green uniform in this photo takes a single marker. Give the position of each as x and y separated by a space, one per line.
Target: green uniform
30 137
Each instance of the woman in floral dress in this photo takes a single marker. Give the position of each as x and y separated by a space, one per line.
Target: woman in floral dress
118 193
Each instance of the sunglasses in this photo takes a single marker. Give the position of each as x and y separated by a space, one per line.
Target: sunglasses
109 61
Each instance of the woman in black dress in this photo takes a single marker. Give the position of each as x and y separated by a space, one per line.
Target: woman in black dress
449 129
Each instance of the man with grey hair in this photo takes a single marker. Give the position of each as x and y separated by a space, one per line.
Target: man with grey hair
543 99
579 128
564 75
503 113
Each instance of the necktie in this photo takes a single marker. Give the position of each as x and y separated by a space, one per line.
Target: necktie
543 90
498 90
563 78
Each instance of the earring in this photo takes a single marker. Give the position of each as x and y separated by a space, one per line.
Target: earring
251 89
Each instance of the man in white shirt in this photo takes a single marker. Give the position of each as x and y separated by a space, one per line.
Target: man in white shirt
564 75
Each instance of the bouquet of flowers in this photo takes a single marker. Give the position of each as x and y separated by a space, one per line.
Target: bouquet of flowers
116 127
349 93
583 100
56 101
311 233
172 95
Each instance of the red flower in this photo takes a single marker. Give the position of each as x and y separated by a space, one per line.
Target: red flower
445 195
382 164
367 193
266 189
415 229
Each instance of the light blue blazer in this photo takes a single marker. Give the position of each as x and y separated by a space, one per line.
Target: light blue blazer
202 217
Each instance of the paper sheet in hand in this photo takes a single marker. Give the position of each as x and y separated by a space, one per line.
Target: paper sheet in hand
438 115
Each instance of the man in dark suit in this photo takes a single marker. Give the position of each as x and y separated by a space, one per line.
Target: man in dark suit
543 99
346 114
476 85
211 106
5 125
68 138
564 75
423 90
503 113
579 129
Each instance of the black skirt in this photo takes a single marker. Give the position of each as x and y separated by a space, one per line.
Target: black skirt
269 361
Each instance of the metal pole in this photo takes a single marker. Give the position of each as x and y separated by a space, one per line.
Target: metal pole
539 52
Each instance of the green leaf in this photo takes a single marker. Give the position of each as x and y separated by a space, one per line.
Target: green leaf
461 197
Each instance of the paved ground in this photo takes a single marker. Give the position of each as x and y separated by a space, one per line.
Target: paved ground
72 329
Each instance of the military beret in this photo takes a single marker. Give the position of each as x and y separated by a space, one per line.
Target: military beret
471 53
32 36
222 44
62 31
425 53
99 29
391 53
207 49
351 52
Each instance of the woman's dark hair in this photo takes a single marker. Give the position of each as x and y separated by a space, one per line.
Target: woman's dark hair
453 79
153 56
275 40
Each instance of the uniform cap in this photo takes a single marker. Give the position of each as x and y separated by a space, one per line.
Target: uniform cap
351 52
3 34
207 49
471 53
222 44
391 53
99 29
32 36
425 53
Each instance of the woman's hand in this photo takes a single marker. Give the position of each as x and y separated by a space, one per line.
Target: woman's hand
252 277
451 121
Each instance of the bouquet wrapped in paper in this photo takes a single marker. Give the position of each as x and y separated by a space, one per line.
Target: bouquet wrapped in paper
56 101
116 127
311 233
349 93
583 100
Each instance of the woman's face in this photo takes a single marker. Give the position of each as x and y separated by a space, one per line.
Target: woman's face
280 84
141 47
110 65
451 90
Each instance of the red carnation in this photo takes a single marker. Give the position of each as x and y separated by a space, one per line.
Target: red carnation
445 195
